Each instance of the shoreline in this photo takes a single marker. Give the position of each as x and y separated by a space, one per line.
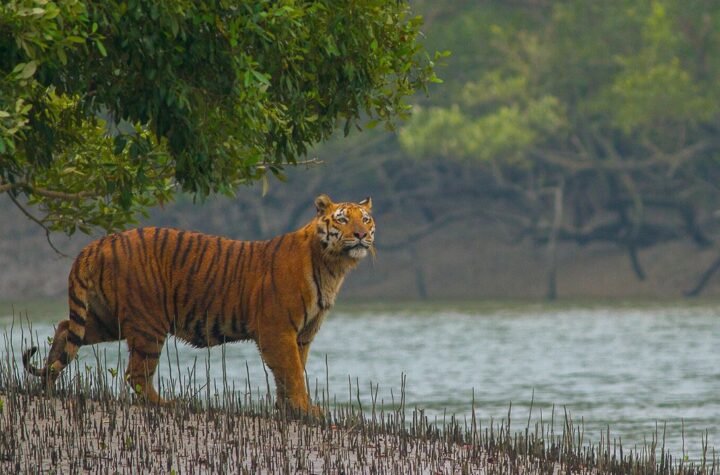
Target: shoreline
78 435
71 433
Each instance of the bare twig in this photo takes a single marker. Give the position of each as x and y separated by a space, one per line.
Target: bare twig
39 223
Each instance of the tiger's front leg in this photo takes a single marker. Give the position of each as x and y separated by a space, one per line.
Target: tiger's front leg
144 356
282 354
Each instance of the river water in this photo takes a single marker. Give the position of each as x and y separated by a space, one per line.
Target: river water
639 369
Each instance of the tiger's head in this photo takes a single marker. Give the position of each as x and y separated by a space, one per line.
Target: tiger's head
345 229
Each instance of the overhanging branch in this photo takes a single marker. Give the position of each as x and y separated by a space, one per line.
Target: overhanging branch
52 194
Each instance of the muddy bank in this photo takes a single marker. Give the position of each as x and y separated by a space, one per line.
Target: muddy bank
77 435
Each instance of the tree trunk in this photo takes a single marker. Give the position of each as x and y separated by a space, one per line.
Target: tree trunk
557 194
704 279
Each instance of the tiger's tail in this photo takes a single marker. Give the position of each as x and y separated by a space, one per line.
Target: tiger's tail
34 370
69 334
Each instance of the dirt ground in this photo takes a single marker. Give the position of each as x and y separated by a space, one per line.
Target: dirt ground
74 435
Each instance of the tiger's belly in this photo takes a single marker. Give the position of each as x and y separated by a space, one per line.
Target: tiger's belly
213 329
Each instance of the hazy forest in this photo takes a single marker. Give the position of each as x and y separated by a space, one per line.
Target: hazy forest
572 150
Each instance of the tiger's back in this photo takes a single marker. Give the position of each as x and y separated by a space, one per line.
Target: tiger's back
198 287
143 284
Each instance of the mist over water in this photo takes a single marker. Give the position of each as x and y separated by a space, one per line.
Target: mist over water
640 370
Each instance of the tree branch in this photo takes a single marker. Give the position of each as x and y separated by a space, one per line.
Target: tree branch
52 194
39 223
585 165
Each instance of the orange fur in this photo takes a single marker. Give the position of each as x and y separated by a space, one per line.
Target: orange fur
143 284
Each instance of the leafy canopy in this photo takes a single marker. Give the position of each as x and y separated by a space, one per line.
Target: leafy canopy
613 106
107 107
643 75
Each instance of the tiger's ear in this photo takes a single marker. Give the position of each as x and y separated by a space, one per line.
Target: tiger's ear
367 202
322 203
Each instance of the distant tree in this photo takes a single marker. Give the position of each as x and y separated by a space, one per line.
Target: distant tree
108 107
602 119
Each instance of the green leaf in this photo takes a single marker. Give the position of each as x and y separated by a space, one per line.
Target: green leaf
101 48
263 78
27 70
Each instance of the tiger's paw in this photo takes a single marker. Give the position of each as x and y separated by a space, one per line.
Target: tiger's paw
306 411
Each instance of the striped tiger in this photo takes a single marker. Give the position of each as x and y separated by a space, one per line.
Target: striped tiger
143 284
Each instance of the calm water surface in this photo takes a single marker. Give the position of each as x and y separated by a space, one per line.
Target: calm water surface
632 368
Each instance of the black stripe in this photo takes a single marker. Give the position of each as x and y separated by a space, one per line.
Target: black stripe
208 292
272 264
151 337
189 296
147 269
189 316
277 246
146 355
166 307
143 244
238 262
259 301
328 269
155 277
150 322
243 295
163 243
186 252
160 276
176 310
122 241
244 332
126 245
234 321
226 263
178 243
192 278
305 310
64 358
76 277
115 266
316 280
140 270
223 286
251 245
102 326
101 274
198 262
75 298
75 317
74 338
217 333
156 234
198 338
292 323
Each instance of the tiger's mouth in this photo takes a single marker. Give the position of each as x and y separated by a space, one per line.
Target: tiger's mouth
357 250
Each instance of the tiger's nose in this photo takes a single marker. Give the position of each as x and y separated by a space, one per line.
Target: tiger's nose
359 234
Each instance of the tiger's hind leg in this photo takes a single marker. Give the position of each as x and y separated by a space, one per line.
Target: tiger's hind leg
56 350
59 340
144 356
68 338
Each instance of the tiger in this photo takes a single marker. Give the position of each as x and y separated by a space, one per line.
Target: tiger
144 284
